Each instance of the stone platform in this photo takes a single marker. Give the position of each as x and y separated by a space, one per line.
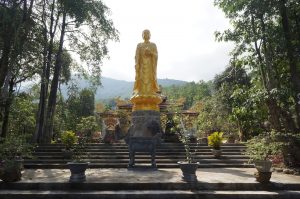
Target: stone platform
116 156
217 183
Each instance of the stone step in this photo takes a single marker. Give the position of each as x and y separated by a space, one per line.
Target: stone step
114 186
33 165
147 194
60 156
159 147
126 153
138 160
124 144
116 156
124 150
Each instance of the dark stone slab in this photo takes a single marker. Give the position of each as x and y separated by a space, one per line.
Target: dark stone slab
145 124
142 144
144 135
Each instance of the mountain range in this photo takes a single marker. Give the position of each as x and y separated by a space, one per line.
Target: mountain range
112 88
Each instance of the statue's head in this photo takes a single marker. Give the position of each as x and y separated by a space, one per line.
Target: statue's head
146 35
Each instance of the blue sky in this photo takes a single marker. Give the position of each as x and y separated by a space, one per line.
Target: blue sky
183 31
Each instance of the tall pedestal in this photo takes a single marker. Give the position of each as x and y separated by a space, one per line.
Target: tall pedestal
144 135
145 123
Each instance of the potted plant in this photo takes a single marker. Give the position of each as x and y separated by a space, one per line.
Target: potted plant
215 140
12 151
189 166
78 166
260 149
69 139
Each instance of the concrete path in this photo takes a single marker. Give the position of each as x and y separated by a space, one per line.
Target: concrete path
205 175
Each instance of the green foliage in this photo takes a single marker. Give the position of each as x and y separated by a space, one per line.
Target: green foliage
69 139
14 147
262 49
73 107
94 29
79 104
215 140
248 111
183 136
213 116
263 146
87 102
185 139
240 101
78 151
192 92
22 115
32 46
87 126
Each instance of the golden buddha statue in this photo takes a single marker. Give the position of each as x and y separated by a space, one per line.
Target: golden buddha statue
146 90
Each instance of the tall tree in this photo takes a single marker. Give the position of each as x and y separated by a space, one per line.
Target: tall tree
87 27
15 24
18 42
262 42
290 49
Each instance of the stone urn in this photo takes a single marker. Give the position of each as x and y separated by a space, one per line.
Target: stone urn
77 171
263 177
264 173
189 171
263 165
11 171
216 153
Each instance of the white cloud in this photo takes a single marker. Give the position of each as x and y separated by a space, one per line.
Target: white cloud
182 30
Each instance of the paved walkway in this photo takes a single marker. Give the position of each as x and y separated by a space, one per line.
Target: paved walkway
205 175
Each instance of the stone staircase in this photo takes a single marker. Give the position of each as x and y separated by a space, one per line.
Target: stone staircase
162 184
148 191
116 156
230 177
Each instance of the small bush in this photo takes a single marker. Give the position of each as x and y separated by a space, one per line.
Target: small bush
215 140
264 146
87 126
68 138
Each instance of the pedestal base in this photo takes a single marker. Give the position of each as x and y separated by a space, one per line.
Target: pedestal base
146 102
144 135
145 124
140 144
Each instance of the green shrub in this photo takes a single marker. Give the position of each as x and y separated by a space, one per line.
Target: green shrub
215 140
14 147
68 138
264 146
87 126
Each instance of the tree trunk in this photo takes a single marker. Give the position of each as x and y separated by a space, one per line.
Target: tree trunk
7 108
45 76
48 130
3 88
266 76
295 79
5 60
37 137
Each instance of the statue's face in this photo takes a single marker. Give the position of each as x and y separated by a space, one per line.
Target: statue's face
146 35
